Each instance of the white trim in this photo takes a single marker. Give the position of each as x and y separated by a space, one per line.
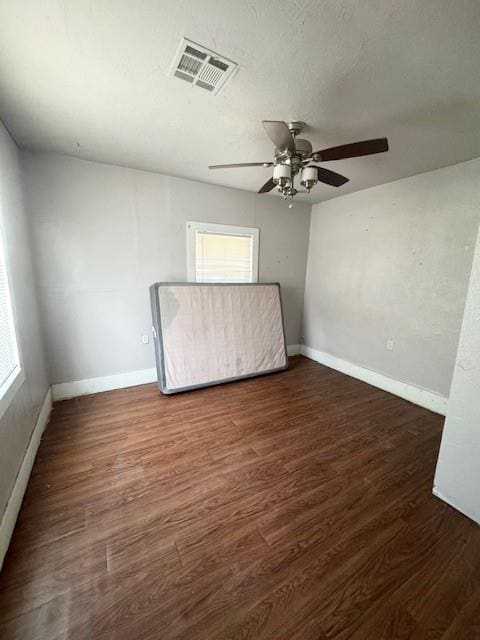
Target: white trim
294 349
17 377
10 387
469 514
423 397
220 229
77 388
12 509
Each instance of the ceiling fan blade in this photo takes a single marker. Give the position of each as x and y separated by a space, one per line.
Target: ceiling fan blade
279 134
268 186
330 177
242 164
363 148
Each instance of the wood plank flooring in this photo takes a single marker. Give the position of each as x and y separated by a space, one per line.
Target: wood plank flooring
295 506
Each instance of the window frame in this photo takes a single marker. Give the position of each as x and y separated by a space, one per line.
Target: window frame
220 229
12 384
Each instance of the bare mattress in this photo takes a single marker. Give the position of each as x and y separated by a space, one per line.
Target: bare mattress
206 334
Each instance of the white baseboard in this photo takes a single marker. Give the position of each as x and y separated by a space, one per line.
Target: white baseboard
294 349
423 397
76 388
10 514
466 512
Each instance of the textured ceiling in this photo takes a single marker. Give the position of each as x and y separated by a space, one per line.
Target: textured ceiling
89 78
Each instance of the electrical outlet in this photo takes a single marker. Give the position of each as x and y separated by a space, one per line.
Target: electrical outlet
145 338
390 345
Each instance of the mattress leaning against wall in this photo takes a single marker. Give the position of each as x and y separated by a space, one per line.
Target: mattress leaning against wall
206 334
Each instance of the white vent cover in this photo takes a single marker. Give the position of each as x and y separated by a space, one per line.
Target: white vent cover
201 67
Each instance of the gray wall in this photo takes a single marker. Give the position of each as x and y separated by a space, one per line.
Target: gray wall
103 234
392 263
457 479
17 423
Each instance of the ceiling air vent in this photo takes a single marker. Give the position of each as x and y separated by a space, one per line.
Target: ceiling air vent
201 67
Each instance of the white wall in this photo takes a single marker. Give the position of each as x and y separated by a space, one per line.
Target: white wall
103 234
457 479
392 263
17 423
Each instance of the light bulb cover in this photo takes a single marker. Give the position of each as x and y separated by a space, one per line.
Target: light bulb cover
309 177
282 174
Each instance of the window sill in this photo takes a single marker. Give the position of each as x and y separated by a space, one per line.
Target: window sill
9 389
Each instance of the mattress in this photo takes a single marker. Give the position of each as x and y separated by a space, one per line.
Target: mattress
207 334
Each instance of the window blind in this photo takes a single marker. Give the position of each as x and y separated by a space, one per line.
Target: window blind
8 346
223 257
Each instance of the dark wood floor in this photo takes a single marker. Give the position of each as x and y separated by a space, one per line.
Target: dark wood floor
295 506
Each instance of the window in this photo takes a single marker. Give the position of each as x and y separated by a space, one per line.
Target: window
11 375
220 253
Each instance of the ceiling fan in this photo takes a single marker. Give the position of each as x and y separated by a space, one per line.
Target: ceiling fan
294 155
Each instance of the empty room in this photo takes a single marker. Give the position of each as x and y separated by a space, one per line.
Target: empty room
239 320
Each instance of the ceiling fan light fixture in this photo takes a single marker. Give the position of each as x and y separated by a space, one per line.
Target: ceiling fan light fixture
309 177
282 175
293 155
